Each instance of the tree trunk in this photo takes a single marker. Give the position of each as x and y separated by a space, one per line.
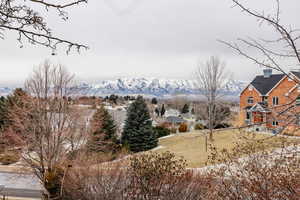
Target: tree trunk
210 119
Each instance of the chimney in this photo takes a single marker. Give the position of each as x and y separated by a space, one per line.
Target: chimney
267 73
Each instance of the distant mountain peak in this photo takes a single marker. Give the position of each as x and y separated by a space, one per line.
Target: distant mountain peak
145 86
153 86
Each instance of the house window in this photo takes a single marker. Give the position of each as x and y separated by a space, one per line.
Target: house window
275 101
297 122
250 100
275 123
265 99
298 101
248 115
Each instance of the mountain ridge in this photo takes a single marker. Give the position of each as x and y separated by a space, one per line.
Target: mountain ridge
145 86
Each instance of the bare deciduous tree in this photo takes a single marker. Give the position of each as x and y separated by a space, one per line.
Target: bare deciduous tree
51 127
21 17
211 79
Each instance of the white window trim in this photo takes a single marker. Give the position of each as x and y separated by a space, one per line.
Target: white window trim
275 101
275 123
252 99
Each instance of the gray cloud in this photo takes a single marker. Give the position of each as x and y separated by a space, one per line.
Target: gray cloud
163 38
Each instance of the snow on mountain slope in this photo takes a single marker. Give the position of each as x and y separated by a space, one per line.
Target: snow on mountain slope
145 86
152 86
4 91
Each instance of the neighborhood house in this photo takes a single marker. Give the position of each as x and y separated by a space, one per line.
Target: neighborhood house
271 101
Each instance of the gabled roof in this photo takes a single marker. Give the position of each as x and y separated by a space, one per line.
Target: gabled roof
297 74
265 85
260 107
174 119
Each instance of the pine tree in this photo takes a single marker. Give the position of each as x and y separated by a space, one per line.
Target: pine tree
185 109
154 101
157 112
103 132
163 110
16 103
138 133
3 112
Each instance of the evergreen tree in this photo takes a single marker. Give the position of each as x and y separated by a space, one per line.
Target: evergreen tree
157 112
154 101
163 110
103 132
185 109
16 103
193 111
113 98
3 112
138 133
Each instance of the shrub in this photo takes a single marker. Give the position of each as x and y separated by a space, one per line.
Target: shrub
257 174
223 125
53 182
173 130
199 127
152 173
154 165
165 125
161 131
9 158
183 128
149 176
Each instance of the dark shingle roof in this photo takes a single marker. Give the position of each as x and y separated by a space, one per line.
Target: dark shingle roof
174 119
296 74
264 85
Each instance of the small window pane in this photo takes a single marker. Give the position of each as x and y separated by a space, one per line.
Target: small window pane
275 101
298 101
250 100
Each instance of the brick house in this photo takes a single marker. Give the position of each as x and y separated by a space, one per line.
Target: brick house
271 101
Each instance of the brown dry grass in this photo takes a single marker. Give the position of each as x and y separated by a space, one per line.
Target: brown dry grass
191 145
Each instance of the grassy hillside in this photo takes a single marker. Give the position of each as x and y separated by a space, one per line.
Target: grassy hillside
191 145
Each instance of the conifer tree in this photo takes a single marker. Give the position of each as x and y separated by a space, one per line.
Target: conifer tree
3 112
157 111
154 101
163 110
138 133
18 103
103 132
185 109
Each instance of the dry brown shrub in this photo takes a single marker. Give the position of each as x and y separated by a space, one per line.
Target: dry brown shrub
148 177
183 128
8 158
268 174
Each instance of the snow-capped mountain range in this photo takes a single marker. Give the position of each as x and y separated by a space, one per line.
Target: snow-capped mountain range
145 86
152 86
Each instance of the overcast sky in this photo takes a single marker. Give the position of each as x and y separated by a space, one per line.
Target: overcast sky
145 38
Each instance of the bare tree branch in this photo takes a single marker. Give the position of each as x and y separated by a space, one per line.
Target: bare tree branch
211 79
287 38
32 27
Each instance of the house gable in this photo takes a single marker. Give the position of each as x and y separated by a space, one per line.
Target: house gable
248 88
266 85
249 93
281 90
